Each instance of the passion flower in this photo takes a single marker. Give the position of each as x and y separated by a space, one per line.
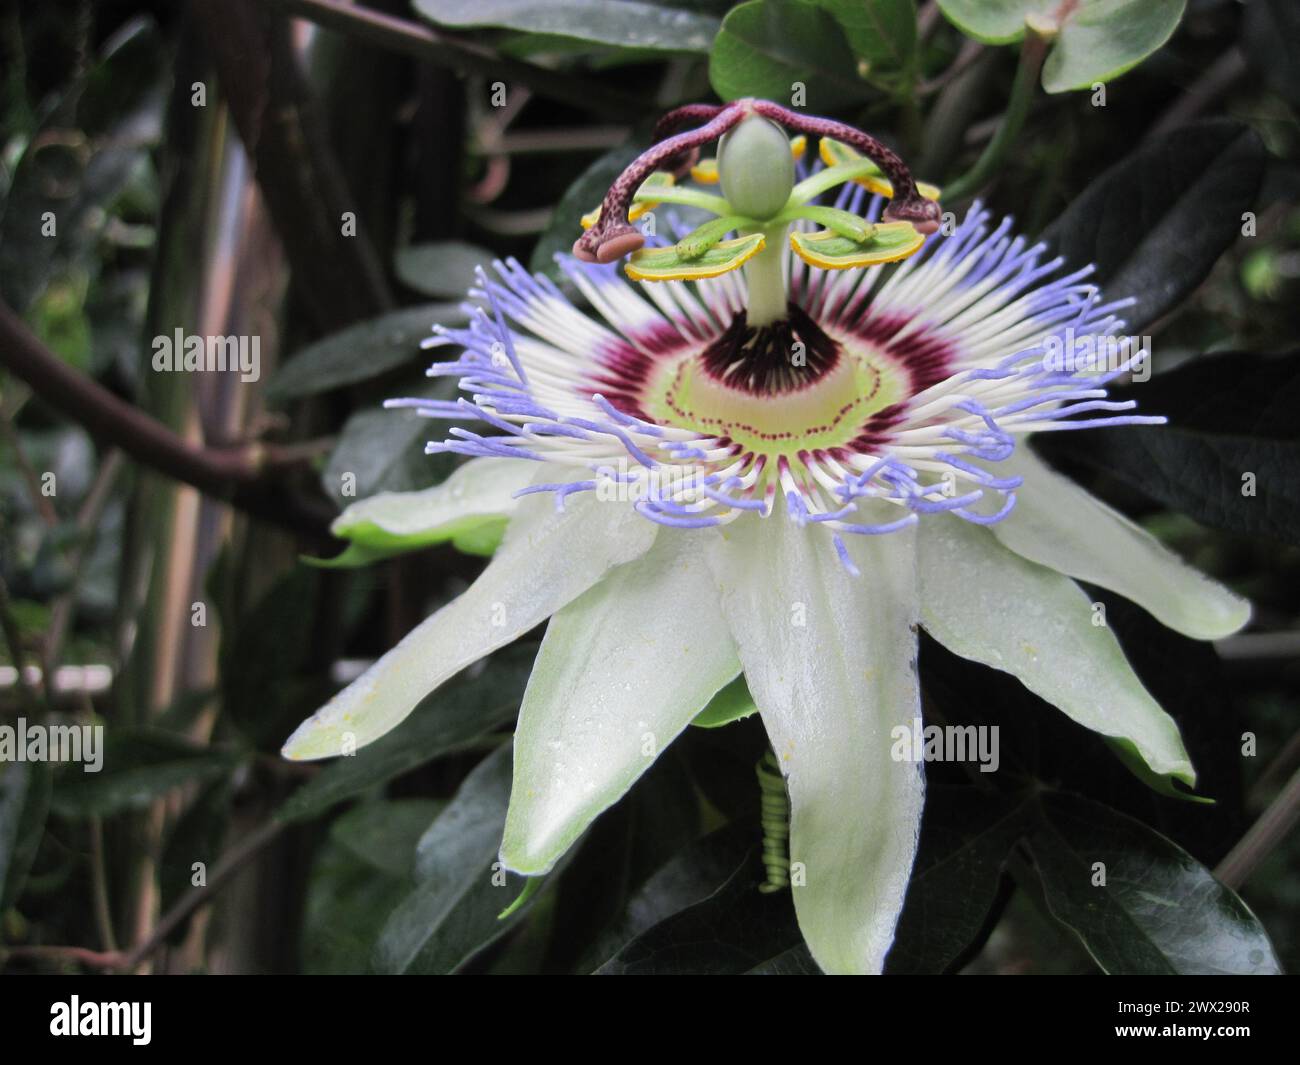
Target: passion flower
776 452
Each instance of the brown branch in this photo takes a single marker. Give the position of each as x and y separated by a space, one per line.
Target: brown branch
1285 763
1216 80
1265 834
96 958
927 20
247 477
969 55
224 871
39 500
338 275
229 864
99 886
560 141
461 55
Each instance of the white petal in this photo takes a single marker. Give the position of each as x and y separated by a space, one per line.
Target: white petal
481 488
984 602
830 660
548 559
1058 524
622 670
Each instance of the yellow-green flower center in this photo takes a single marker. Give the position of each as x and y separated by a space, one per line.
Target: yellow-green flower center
778 390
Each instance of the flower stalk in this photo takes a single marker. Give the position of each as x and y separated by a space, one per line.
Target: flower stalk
1032 54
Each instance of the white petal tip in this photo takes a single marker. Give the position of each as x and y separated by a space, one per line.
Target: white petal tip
312 741
1212 617
1230 620
527 861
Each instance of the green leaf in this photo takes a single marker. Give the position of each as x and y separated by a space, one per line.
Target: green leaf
882 34
1186 676
58 318
356 882
1097 41
265 683
730 704
1269 32
443 269
383 450
448 720
669 264
79 161
994 21
696 872
622 23
966 836
183 713
1159 910
1103 39
797 961
454 910
1229 453
631 843
346 905
1157 222
383 834
138 767
765 46
362 351
24 805
198 836
735 930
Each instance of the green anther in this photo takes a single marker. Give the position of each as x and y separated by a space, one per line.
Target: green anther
695 244
844 223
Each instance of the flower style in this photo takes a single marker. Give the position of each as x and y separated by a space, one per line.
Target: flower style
780 477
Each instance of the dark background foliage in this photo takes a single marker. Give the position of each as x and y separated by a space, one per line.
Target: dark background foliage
159 590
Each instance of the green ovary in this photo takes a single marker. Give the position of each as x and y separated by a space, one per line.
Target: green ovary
828 413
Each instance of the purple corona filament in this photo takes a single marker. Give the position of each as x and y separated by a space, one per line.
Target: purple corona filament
662 393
